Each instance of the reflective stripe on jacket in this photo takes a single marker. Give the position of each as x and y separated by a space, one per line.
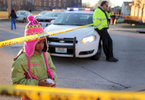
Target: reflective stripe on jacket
99 19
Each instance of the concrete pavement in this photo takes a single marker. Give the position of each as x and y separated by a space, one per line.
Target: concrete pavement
117 27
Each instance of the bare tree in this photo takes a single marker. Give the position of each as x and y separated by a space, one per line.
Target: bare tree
99 2
37 5
86 4
9 7
110 3
17 5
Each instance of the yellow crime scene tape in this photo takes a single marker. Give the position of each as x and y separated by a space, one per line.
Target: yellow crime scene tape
35 37
47 93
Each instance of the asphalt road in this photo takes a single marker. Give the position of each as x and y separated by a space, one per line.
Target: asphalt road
86 73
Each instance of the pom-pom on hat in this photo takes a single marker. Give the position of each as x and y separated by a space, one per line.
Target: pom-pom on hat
30 18
33 28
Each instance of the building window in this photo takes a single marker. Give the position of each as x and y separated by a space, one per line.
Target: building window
54 0
39 3
64 0
59 0
64 4
79 1
59 5
54 3
13 2
49 0
49 3
21 3
44 3
4 2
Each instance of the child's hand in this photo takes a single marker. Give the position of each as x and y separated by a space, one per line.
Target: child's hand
44 83
54 84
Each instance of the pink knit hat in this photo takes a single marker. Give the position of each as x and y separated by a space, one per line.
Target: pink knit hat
33 28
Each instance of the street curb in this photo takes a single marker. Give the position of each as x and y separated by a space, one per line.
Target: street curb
127 30
141 31
140 88
4 19
130 30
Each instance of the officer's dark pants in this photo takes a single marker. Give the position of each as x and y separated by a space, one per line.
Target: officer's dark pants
107 43
109 21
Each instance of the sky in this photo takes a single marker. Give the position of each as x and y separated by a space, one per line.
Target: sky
114 2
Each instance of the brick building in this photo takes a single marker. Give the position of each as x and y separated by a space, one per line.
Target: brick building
3 5
40 4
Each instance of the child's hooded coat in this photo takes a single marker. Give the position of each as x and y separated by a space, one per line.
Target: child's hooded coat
29 67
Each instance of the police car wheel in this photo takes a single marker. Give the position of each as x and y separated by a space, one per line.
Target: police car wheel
98 54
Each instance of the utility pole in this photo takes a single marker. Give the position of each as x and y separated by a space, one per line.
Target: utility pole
9 6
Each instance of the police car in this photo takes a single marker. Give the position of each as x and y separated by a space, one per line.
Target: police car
46 19
80 43
41 14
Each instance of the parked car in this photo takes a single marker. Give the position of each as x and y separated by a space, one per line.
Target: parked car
81 43
22 15
120 18
41 14
46 19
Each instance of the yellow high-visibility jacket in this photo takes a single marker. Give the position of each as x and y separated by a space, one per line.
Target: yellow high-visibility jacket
108 14
99 19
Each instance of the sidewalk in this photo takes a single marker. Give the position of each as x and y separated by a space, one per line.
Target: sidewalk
118 27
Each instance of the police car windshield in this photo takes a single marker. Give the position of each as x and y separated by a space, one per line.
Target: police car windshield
52 14
77 19
43 12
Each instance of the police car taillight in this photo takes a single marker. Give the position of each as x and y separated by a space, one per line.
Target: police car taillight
87 9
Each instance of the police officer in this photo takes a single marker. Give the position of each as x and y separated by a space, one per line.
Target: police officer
100 21
109 14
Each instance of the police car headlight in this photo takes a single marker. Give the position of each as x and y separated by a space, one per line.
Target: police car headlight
89 39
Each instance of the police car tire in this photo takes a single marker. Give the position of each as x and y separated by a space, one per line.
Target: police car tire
98 54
